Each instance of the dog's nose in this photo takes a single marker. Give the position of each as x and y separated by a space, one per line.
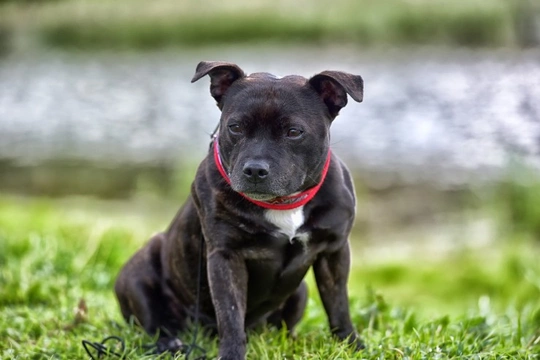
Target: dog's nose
256 170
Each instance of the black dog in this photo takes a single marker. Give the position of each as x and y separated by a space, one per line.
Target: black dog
268 202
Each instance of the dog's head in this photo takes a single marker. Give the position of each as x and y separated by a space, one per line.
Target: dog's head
274 132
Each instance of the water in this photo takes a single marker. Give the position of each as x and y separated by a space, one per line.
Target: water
447 116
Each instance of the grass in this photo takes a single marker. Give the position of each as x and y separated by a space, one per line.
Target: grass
469 304
137 24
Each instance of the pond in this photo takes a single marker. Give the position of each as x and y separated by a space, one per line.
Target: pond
439 115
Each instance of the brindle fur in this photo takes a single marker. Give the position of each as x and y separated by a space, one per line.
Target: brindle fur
253 273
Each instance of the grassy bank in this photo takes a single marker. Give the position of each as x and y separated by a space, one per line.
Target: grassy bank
137 24
54 253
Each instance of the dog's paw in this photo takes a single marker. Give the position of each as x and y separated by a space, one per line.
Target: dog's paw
353 339
357 343
169 344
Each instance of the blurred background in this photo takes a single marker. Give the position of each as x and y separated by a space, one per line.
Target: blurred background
96 102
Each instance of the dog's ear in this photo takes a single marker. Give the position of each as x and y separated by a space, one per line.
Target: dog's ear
333 87
222 75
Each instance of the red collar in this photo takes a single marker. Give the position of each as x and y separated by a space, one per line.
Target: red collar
282 202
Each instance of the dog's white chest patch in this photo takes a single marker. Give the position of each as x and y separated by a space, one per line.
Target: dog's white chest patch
288 222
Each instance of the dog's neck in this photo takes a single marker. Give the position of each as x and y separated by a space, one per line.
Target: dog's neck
287 202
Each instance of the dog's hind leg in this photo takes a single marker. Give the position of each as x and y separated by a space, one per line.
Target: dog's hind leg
142 295
292 310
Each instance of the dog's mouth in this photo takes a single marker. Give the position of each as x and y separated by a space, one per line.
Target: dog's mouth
260 196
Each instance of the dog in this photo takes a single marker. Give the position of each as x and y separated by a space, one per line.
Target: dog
269 201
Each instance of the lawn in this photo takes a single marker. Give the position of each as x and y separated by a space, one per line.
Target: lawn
59 259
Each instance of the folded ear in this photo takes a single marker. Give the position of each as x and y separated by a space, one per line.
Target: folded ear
222 75
333 87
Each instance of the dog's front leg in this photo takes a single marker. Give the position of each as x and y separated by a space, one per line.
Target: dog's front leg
227 275
331 273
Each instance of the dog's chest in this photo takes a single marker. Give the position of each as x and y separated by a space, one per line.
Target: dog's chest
288 222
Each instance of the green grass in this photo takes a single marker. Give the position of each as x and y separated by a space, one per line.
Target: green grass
469 304
137 24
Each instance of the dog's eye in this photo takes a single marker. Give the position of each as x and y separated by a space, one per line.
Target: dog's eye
294 133
235 129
